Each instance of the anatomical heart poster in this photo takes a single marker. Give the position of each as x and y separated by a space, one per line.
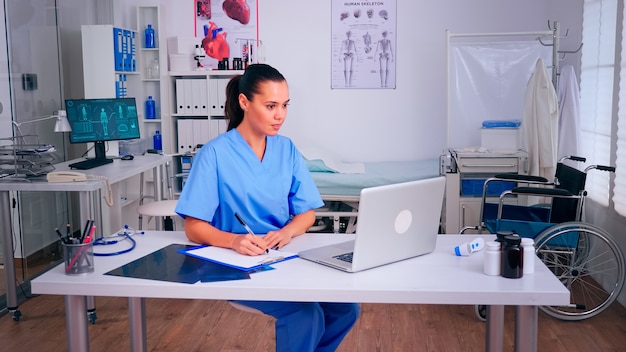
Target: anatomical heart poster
363 44
226 29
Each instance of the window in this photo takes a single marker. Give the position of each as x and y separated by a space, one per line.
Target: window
598 70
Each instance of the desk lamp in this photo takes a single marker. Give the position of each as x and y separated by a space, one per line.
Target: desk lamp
61 125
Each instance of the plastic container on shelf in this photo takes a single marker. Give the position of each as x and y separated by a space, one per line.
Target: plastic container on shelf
157 140
150 108
150 37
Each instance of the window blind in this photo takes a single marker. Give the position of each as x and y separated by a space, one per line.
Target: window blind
596 96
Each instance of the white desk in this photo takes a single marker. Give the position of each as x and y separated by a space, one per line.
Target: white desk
436 278
115 172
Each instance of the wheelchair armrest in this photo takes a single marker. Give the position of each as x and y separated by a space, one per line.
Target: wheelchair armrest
546 192
521 178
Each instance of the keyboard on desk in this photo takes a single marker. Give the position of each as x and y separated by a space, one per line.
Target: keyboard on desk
346 257
90 163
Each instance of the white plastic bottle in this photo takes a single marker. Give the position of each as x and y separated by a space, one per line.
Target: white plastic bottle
491 264
528 244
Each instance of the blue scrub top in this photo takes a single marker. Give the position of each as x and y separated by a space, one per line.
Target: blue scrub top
227 177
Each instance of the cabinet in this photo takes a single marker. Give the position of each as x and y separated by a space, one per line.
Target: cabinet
197 100
109 61
465 174
110 70
152 67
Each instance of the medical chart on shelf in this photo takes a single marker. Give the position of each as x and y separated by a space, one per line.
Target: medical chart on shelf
363 44
228 29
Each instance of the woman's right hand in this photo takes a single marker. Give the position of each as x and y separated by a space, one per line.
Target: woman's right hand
248 244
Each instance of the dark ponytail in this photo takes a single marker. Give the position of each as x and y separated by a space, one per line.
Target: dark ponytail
248 84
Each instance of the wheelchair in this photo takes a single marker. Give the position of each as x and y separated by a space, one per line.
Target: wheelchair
583 256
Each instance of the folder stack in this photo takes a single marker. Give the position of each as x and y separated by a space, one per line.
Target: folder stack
196 132
192 97
125 58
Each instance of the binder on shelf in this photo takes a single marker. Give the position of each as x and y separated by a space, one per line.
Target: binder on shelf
201 133
133 53
221 94
214 103
180 96
185 135
217 126
118 40
195 96
204 98
127 50
188 95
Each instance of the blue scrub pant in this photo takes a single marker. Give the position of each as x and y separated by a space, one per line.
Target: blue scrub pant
309 326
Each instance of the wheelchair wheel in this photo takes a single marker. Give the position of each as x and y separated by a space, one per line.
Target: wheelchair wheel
588 262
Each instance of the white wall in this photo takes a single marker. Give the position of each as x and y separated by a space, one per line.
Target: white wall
373 125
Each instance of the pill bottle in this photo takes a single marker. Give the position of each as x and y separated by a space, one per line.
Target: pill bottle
149 36
512 263
150 108
528 245
157 141
491 264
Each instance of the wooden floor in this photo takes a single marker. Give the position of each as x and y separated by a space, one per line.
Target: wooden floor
202 325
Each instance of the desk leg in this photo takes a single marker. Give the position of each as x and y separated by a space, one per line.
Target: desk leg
495 328
76 324
137 315
7 252
156 177
526 328
84 201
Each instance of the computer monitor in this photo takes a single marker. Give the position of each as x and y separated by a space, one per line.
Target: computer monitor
101 120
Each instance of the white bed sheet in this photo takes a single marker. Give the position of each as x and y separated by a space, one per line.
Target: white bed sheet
339 185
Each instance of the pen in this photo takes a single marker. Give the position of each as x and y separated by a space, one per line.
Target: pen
60 235
245 226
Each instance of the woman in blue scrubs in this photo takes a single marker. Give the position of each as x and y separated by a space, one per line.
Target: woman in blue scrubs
253 171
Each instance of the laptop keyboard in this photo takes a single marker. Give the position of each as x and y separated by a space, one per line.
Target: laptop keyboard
346 257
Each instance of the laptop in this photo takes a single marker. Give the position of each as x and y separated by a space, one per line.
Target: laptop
395 222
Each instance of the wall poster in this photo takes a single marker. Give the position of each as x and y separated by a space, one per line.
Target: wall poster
228 29
363 44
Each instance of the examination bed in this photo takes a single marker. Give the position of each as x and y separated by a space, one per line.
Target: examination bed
341 191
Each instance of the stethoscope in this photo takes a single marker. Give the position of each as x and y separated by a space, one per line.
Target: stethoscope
126 233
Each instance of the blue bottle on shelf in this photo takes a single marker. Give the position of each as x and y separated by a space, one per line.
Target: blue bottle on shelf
150 41
157 140
150 108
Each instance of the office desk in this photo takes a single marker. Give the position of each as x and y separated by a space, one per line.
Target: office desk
436 278
119 170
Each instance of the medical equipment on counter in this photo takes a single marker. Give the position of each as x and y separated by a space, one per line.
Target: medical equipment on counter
125 233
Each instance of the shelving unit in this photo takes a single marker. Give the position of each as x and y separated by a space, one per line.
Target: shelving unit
197 101
110 66
151 81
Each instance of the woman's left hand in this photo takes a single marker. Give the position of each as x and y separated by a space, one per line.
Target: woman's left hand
277 239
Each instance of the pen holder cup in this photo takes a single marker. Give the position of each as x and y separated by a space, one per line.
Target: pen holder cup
78 258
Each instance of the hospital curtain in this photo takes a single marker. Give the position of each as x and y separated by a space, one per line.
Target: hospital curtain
596 97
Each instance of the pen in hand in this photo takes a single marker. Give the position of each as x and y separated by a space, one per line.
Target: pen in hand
245 226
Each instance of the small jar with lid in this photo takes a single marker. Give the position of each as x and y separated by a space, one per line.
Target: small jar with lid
512 257
528 246
491 264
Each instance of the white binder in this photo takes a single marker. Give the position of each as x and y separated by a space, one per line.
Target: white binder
196 99
188 96
180 96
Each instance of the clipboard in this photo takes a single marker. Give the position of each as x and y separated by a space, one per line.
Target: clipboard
235 260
